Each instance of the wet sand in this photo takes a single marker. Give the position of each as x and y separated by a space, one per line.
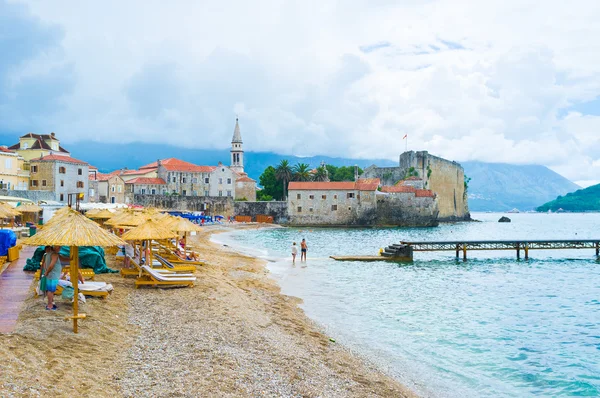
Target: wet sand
231 335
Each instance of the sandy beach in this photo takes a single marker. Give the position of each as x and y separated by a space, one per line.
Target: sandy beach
231 335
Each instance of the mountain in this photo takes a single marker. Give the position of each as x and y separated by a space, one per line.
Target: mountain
587 199
501 187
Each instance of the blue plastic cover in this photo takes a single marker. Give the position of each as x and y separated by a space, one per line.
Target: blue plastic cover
8 239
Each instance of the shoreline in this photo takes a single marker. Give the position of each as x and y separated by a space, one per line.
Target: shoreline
233 334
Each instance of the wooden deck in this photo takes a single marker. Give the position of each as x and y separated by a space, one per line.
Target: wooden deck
15 287
371 258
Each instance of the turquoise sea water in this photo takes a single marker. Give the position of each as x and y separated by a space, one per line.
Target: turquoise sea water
492 326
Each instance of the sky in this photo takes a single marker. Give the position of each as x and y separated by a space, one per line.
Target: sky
513 81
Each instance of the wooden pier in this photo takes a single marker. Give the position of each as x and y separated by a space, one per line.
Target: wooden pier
515 245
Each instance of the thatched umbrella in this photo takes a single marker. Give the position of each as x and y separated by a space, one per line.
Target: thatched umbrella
148 231
183 225
73 229
103 214
30 209
7 211
132 219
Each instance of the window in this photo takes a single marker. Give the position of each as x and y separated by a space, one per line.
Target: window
349 208
229 181
310 209
323 197
333 207
43 183
164 191
62 197
25 145
62 184
194 180
112 188
223 170
34 169
62 170
183 180
206 181
174 179
299 196
92 192
311 196
119 188
220 193
112 199
299 209
79 184
184 192
8 163
229 193
350 195
143 191
335 196
220 181
34 183
205 193
153 191
79 172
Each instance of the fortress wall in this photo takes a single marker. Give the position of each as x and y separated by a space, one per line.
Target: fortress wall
446 179
407 210
278 210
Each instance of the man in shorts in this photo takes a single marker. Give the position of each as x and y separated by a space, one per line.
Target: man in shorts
303 249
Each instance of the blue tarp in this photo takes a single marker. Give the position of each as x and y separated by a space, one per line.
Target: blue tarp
8 239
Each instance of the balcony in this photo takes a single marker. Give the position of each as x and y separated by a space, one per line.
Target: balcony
23 173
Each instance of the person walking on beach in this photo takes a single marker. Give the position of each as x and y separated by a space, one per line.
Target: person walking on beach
294 252
51 271
303 249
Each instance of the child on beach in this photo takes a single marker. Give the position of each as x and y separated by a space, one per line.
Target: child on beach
51 271
294 252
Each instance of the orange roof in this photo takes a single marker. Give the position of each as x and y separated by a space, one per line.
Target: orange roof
173 164
244 179
92 167
332 186
146 181
59 158
5 149
398 189
367 184
424 193
100 177
132 172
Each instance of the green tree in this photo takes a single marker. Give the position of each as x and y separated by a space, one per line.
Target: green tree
321 174
343 173
271 186
284 173
301 172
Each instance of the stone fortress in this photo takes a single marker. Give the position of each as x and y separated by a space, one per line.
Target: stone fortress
424 171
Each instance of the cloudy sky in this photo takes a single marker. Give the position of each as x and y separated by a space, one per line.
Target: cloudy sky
496 80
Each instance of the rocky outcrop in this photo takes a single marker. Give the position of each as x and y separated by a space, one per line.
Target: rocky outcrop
504 219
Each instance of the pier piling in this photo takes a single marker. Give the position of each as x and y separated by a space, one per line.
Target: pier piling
464 252
518 251
526 251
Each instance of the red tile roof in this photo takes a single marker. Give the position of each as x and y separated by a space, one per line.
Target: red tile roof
59 158
398 189
132 172
173 164
333 186
5 149
244 179
92 167
146 181
367 184
424 193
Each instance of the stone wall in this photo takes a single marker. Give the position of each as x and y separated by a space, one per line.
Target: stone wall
407 210
211 205
278 210
34 196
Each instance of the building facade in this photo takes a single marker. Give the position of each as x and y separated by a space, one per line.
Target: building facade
106 188
60 174
33 146
14 172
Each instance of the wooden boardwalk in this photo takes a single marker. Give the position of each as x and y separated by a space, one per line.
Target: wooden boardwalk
15 287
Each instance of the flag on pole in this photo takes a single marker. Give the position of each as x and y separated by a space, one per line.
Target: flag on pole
405 136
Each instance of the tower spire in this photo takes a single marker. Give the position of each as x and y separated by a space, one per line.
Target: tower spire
237 153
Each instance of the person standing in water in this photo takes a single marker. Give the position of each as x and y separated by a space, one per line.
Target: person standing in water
303 249
294 252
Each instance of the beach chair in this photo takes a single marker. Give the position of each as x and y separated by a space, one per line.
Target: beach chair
137 270
169 254
87 273
94 289
151 277
172 266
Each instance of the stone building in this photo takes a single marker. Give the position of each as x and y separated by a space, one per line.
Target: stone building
332 203
144 186
60 174
33 146
106 188
445 178
14 172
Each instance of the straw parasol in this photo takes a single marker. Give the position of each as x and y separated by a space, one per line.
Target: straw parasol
148 231
8 209
103 214
183 225
29 208
71 228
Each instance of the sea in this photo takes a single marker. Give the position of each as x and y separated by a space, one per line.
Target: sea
492 326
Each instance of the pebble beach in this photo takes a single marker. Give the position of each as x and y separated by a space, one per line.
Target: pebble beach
231 335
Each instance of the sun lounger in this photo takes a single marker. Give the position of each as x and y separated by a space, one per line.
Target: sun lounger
87 273
151 277
96 289
173 266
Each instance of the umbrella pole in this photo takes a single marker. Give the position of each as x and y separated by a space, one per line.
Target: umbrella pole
75 282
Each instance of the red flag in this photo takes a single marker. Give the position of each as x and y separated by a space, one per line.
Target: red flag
405 135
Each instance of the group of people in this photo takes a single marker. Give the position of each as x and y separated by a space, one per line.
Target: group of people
303 250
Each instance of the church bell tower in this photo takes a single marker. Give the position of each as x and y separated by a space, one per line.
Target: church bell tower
237 153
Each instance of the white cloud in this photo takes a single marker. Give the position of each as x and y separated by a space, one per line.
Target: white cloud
468 80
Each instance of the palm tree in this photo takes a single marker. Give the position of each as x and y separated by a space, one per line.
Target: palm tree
321 174
301 172
283 173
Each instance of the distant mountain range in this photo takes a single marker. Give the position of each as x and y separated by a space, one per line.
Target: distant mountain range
493 186
501 187
587 199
